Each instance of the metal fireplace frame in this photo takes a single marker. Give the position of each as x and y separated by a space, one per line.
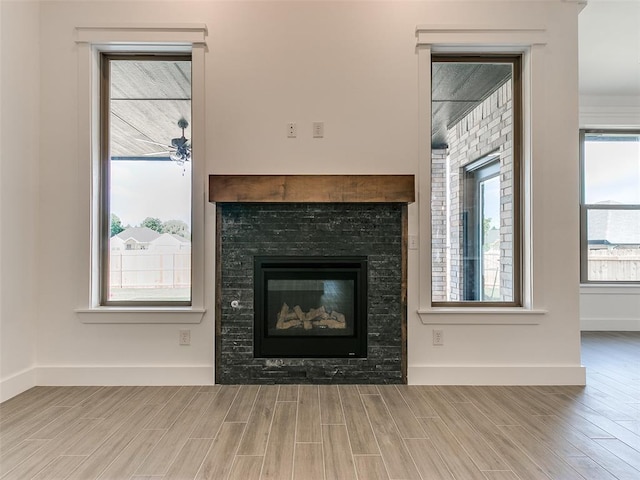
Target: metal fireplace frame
310 346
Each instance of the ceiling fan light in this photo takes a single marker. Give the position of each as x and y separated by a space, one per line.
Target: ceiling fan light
175 157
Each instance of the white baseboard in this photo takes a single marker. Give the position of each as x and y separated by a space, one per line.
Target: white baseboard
204 375
17 383
610 324
125 375
497 375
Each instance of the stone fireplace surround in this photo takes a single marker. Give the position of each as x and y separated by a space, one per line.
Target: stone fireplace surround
320 216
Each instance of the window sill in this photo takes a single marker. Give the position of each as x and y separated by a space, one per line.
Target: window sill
609 289
141 315
481 316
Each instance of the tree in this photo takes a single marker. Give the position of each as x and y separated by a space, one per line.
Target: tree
177 227
116 225
486 225
486 228
152 223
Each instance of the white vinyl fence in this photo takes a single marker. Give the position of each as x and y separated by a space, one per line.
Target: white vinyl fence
618 264
150 269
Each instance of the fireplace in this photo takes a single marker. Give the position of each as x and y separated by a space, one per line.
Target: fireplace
310 307
311 278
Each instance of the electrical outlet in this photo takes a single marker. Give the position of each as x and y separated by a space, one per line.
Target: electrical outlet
438 337
292 130
185 337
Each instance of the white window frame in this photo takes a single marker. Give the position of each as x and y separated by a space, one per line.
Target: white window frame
530 43
91 42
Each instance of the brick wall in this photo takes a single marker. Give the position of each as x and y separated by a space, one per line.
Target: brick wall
486 129
439 246
248 230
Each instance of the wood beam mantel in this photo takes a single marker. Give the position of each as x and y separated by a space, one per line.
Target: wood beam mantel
312 188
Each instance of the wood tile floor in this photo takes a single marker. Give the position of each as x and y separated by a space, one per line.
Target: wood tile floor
329 432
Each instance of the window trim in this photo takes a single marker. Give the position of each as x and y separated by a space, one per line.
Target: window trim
585 208
104 212
517 61
90 42
531 42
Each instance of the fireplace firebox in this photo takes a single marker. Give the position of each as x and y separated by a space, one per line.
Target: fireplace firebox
310 307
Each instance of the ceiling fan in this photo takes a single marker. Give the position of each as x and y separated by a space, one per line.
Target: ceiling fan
180 149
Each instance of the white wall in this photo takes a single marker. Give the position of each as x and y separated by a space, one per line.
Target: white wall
610 111
19 157
610 100
609 307
352 65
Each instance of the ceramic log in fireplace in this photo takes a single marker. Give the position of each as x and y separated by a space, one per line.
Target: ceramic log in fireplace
310 307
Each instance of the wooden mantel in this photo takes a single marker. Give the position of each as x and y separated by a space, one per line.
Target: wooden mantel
312 188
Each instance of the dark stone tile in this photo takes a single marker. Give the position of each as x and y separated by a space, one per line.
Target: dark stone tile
372 230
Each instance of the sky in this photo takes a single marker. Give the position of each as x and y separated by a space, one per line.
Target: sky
612 172
491 205
141 189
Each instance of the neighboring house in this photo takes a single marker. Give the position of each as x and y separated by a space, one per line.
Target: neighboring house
614 228
614 244
116 244
170 242
135 238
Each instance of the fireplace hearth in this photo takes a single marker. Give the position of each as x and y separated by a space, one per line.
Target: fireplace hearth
310 307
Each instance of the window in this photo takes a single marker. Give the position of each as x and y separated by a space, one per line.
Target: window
475 180
610 206
145 207
481 230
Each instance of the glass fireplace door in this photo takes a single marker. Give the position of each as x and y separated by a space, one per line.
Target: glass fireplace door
310 307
